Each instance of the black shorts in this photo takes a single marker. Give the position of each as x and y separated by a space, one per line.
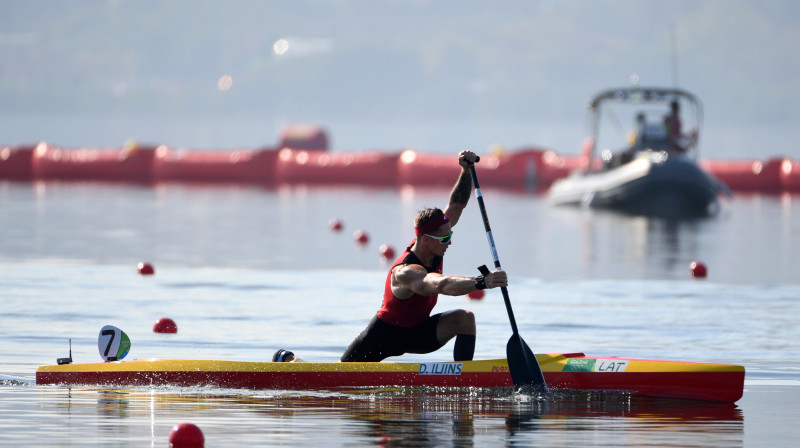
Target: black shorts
381 340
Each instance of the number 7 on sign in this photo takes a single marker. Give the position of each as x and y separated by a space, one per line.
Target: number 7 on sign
112 343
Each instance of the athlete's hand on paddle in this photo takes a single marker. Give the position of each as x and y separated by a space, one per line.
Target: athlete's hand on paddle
496 279
467 158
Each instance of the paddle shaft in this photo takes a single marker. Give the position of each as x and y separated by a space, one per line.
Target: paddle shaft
488 227
526 373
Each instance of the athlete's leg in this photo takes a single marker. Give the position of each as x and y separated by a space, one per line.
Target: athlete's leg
461 324
376 343
455 322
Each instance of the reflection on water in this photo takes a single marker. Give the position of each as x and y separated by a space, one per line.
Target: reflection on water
387 417
657 245
605 244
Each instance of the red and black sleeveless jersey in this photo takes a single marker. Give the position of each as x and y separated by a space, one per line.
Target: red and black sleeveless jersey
414 310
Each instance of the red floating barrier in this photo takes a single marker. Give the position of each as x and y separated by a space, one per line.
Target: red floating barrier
790 175
746 175
238 165
420 169
126 164
554 166
303 158
362 168
304 136
16 163
519 169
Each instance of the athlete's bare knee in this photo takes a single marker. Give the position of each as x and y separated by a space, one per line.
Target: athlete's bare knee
453 323
466 322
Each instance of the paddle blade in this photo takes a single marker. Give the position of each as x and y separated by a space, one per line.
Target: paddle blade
525 370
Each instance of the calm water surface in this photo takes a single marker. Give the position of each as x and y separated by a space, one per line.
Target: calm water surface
244 271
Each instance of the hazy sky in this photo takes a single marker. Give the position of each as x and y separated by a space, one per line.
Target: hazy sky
433 75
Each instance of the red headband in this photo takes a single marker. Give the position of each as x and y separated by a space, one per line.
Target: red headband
431 225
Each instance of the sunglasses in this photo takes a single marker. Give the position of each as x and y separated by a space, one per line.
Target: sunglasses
442 239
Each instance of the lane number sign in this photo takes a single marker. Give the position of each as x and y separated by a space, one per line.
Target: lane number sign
113 343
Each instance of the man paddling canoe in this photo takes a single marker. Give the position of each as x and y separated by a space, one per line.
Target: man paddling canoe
413 284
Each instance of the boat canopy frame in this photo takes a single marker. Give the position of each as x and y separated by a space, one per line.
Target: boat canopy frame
640 95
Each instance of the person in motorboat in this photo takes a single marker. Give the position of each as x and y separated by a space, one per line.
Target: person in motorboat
636 142
663 135
403 324
636 139
677 141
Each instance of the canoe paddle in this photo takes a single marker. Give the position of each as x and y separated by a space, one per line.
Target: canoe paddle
525 370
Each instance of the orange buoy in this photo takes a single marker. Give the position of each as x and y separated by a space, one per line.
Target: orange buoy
165 325
146 268
698 269
186 435
361 237
386 251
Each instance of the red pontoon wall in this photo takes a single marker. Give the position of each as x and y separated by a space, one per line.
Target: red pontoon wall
127 164
746 175
240 165
527 168
519 169
790 175
16 163
555 166
363 168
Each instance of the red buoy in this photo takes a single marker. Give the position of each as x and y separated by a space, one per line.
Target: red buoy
386 251
477 294
186 435
146 268
698 269
165 325
335 225
361 237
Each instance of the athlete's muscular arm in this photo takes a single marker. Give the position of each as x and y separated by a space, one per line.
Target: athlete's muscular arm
410 279
459 197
